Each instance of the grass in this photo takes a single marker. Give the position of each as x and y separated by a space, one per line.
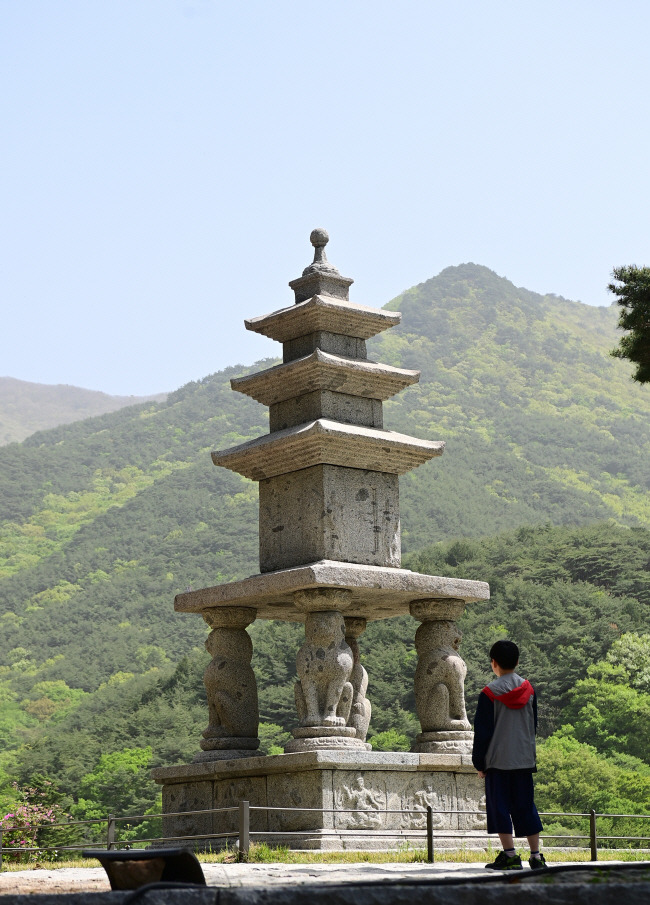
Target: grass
260 854
264 854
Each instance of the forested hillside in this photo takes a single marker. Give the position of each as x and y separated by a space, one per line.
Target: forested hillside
572 597
104 520
28 407
540 422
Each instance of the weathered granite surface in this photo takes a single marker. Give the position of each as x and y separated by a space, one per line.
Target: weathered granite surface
330 557
331 343
323 512
440 678
567 885
400 761
320 313
352 791
324 692
331 442
322 371
361 707
324 665
340 884
376 592
230 686
564 886
328 405
362 883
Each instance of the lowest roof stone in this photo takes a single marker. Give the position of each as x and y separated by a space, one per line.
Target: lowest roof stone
331 443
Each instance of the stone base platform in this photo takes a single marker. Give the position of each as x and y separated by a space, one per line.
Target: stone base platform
334 783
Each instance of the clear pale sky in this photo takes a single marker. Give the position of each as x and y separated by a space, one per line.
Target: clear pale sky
163 162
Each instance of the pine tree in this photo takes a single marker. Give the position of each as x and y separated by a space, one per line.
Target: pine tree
632 287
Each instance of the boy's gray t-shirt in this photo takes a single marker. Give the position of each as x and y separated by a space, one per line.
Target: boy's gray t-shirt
512 746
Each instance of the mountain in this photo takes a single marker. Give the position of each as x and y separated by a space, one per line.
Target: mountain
541 423
28 407
102 521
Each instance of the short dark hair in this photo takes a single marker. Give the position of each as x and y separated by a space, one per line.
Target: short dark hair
505 654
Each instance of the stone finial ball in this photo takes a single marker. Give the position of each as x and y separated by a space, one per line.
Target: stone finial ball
319 237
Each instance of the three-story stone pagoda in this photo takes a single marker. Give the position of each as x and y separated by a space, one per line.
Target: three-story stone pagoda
329 540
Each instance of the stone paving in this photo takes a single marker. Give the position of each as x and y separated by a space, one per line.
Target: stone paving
93 879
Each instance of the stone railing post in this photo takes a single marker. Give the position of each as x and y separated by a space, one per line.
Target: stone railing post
440 678
230 686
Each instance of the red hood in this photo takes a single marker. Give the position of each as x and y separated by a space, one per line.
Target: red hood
515 699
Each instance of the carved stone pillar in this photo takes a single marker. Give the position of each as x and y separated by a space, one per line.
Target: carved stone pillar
440 678
359 717
230 685
324 664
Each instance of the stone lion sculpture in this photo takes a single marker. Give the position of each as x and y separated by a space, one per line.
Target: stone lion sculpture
359 717
230 685
440 677
324 664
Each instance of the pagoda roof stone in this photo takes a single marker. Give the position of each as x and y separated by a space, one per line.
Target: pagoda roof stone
323 371
331 443
322 313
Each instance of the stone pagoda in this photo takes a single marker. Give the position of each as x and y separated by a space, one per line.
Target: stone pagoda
330 557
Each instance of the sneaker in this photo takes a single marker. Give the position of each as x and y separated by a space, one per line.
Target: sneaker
537 863
505 862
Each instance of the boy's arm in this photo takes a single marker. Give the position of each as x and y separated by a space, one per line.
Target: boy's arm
535 710
483 731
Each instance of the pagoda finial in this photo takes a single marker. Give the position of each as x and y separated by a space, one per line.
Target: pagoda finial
319 239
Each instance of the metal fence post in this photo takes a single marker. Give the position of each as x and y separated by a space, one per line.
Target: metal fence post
110 832
430 854
244 830
593 841
0 849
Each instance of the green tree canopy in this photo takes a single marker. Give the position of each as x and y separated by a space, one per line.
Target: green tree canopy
573 776
632 288
632 653
119 783
610 715
610 708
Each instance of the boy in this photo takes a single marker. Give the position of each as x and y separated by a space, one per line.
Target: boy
504 755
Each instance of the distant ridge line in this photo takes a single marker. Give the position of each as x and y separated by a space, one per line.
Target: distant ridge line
27 407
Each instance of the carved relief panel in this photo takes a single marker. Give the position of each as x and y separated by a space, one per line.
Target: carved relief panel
364 796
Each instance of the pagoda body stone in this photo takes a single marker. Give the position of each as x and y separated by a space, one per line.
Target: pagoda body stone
330 557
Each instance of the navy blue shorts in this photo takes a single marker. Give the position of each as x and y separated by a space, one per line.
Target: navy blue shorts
509 798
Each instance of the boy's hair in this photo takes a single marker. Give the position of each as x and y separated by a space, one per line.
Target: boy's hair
505 654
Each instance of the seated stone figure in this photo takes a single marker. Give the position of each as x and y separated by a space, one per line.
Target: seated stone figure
440 677
324 664
230 685
366 805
